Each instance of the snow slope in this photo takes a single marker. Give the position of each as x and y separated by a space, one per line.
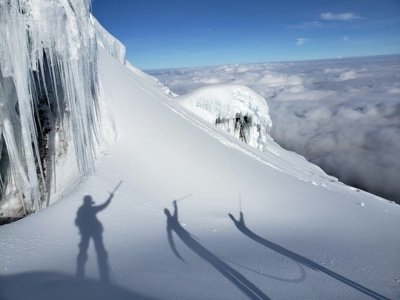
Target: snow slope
307 236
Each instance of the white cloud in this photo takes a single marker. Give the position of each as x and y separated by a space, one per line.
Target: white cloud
301 41
343 115
307 25
328 16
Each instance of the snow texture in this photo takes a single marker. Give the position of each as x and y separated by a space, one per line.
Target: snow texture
343 114
236 109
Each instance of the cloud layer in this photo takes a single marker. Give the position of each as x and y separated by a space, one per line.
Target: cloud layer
328 16
343 115
301 41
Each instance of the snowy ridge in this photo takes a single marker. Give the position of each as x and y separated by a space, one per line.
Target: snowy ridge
290 163
144 75
118 50
113 46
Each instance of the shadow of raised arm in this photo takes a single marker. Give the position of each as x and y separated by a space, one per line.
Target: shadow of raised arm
104 205
238 223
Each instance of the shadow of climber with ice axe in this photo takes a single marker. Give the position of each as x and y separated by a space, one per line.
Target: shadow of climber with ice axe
236 278
91 227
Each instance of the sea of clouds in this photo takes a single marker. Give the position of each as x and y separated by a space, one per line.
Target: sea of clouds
342 114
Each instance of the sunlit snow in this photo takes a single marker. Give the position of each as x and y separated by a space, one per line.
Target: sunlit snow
176 208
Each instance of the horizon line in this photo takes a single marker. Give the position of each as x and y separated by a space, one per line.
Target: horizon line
265 62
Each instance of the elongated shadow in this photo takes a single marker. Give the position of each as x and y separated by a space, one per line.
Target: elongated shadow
241 282
241 226
91 228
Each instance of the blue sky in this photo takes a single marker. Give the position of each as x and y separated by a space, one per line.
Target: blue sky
187 33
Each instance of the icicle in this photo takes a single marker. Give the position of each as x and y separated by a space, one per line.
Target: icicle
48 56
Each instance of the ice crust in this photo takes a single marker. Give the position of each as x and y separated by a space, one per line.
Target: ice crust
234 108
48 95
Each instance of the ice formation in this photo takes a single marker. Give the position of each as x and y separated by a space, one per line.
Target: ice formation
234 108
48 96
109 42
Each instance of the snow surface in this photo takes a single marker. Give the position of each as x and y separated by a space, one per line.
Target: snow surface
305 236
341 114
236 109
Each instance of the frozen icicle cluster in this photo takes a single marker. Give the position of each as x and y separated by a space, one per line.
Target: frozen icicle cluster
234 108
48 90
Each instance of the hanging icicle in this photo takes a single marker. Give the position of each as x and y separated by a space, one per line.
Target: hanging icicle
48 82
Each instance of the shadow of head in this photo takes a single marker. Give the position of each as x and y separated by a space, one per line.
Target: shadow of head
167 212
88 200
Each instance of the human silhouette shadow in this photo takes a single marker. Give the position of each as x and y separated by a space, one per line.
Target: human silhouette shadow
241 282
241 226
91 227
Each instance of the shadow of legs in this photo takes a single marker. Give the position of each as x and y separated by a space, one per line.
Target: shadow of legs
102 258
82 256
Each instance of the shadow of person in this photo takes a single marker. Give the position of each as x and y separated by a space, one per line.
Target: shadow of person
91 227
241 226
241 282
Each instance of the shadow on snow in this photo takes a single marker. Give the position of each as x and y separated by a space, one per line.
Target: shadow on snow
51 285
91 228
241 282
241 226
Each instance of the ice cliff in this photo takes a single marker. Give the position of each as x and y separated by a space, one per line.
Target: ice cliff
48 96
234 108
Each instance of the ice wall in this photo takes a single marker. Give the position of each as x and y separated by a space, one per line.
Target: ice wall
234 108
48 90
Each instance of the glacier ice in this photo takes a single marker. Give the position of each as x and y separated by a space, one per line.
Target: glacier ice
48 94
234 108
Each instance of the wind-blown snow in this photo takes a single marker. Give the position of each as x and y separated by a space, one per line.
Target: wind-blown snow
236 109
341 114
